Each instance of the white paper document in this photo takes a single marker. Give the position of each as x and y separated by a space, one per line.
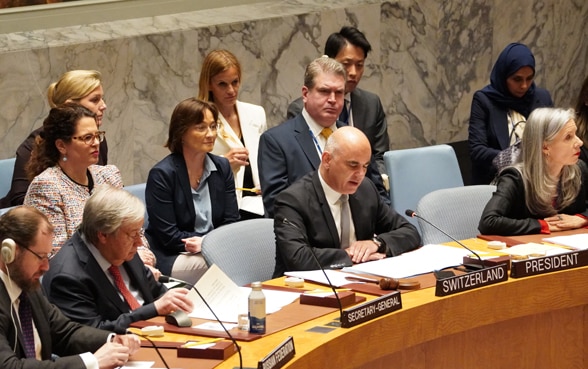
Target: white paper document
229 300
534 250
252 204
423 260
337 278
575 241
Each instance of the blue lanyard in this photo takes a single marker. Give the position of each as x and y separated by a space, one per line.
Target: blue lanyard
316 142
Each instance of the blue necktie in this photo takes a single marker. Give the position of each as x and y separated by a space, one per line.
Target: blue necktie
25 314
344 116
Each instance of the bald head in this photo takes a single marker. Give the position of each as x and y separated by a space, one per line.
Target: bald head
345 159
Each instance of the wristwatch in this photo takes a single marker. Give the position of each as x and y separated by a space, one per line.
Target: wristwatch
380 243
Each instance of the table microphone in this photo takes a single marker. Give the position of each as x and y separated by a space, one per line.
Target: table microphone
153 345
287 222
166 279
413 214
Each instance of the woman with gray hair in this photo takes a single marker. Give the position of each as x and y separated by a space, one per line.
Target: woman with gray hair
546 190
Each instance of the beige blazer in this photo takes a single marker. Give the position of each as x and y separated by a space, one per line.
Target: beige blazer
253 124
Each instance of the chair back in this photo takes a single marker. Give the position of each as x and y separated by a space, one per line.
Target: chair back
457 211
6 170
139 191
245 250
414 173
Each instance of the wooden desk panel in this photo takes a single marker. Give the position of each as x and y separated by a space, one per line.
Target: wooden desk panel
535 322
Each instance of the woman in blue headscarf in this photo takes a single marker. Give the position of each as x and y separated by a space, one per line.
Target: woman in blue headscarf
500 110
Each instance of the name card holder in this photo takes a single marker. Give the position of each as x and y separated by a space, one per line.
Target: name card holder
548 264
219 351
279 356
371 309
471 280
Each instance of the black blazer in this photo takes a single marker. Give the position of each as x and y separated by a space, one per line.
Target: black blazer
506 213
368 115
286 153
305 206
58 335
488 132
78 286
171 209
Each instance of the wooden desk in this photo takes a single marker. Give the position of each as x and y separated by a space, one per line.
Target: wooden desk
534 322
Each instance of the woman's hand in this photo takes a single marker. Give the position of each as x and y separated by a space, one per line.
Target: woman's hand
237 158
563 222
193 244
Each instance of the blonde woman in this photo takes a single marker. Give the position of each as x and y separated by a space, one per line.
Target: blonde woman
240 125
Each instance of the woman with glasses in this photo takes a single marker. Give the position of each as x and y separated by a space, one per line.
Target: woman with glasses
188 193
62 168
240 126
80 86
500 109
547 189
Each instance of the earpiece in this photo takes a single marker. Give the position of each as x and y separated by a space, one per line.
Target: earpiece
8 250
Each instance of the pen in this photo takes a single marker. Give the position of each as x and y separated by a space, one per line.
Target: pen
327 291
204 342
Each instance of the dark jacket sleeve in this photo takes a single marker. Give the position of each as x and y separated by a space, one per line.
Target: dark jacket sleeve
273 170
506 213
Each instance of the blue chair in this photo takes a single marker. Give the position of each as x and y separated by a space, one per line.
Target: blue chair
139 191
414 173
456 211
245 251
6 170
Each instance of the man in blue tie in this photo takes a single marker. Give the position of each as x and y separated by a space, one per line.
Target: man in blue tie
31 328
362 109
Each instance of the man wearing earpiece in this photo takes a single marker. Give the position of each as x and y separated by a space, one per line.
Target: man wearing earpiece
98 279
31 329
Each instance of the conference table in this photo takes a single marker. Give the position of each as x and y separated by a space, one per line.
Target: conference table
533 322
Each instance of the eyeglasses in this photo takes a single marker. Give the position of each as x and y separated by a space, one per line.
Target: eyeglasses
48 256
90 138
137 234
202 127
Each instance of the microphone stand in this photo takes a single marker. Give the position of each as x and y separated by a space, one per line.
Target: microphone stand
286 221
413 214
154 346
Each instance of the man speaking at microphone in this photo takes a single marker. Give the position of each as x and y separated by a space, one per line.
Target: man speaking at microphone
98 279
338 213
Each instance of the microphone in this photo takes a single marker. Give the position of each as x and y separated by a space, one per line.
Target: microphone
287 222
413 214
152 344
166 279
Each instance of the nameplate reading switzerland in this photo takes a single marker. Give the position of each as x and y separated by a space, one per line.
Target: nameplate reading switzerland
471 280
547 264
279 356
371 309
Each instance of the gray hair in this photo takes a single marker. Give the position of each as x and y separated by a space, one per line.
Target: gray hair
324 64
542 126
107 209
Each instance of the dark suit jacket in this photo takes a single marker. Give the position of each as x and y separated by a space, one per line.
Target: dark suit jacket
171 209
368 115
488 132
310 224
286 153
78 286
20 180
506 213
58 335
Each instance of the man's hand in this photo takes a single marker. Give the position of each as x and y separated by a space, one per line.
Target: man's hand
362 251
193 244
112 355
172 300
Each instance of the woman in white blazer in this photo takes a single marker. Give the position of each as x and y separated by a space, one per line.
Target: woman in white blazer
241 124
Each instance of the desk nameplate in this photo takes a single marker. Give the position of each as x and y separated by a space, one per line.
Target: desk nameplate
548 264
371 309
279 356
471 280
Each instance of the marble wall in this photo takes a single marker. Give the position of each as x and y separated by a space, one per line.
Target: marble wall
428 59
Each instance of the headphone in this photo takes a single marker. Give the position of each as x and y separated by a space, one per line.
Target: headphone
7 251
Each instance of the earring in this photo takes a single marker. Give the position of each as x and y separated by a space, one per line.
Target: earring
64 158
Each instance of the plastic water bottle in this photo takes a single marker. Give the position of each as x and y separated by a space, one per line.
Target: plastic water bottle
256 309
